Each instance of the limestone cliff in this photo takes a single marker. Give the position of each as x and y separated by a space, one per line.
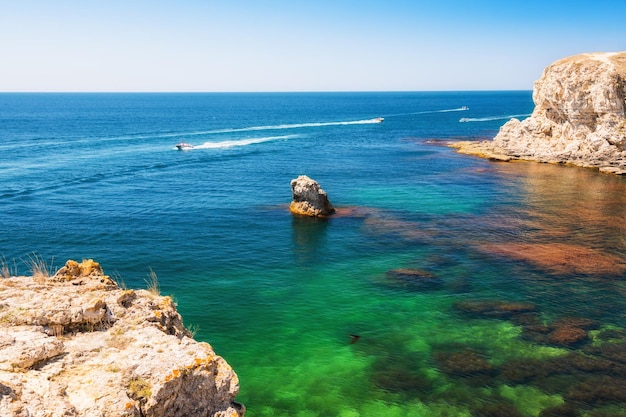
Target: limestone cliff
579 117
75 344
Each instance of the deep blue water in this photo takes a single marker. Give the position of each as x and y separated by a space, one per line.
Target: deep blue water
97 176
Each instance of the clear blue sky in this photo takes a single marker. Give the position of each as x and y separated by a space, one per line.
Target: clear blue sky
293 45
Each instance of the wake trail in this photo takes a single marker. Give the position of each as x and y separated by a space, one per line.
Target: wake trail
272 127
462 108
236 130
241 142
490 118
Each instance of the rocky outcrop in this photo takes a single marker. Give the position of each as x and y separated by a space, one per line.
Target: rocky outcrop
309 199
75 344
579 117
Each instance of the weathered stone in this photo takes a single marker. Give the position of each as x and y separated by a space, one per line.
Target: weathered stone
309 199
96 350
579 117
88 268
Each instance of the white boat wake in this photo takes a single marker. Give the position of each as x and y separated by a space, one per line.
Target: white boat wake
241 142
294 126
274 127
489 119
250 141
462 108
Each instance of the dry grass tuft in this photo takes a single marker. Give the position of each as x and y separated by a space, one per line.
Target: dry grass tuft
119 280
40 270
6 270
153 283
193 329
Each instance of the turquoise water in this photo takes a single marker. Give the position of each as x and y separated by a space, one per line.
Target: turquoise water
476 288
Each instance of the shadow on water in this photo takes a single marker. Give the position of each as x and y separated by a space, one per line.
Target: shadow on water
309 239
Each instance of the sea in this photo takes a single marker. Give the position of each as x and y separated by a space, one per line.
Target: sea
444 285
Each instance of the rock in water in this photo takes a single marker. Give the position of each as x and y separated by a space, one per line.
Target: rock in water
579 117
309 199
75 344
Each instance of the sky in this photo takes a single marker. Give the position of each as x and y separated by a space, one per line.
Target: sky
294 45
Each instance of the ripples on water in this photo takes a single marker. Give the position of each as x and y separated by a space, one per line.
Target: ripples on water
475 288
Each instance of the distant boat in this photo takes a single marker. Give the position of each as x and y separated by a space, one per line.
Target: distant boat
464 108
379 119
183 146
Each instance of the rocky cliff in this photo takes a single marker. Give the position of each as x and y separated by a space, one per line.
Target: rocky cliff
579 117
75 344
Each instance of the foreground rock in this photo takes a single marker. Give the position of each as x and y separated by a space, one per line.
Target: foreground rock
579 117
309 199
75 344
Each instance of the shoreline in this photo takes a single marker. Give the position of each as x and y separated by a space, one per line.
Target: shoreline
487 150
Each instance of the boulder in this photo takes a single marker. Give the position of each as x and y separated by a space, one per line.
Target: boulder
579 117
309 199
75 344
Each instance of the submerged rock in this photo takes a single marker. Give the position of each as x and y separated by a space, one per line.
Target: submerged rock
489 309
401 376
612 351
598 390
466 362
499 409
579 117
309 199
414 279
565 332
560 258
567 336
472 366
75 344
563 410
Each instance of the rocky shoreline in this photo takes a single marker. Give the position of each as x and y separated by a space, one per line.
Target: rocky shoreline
579 117
76 344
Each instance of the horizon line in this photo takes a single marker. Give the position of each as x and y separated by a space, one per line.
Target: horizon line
262 91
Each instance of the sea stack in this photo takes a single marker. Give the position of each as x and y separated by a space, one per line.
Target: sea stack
309 199
579 117
75 344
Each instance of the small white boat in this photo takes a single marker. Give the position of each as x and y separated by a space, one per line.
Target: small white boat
464 108
183 146
379 119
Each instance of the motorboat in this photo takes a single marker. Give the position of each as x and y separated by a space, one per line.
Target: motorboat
184 146
464 108
379 119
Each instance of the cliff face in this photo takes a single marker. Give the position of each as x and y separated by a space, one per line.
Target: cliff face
579 116
75 344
